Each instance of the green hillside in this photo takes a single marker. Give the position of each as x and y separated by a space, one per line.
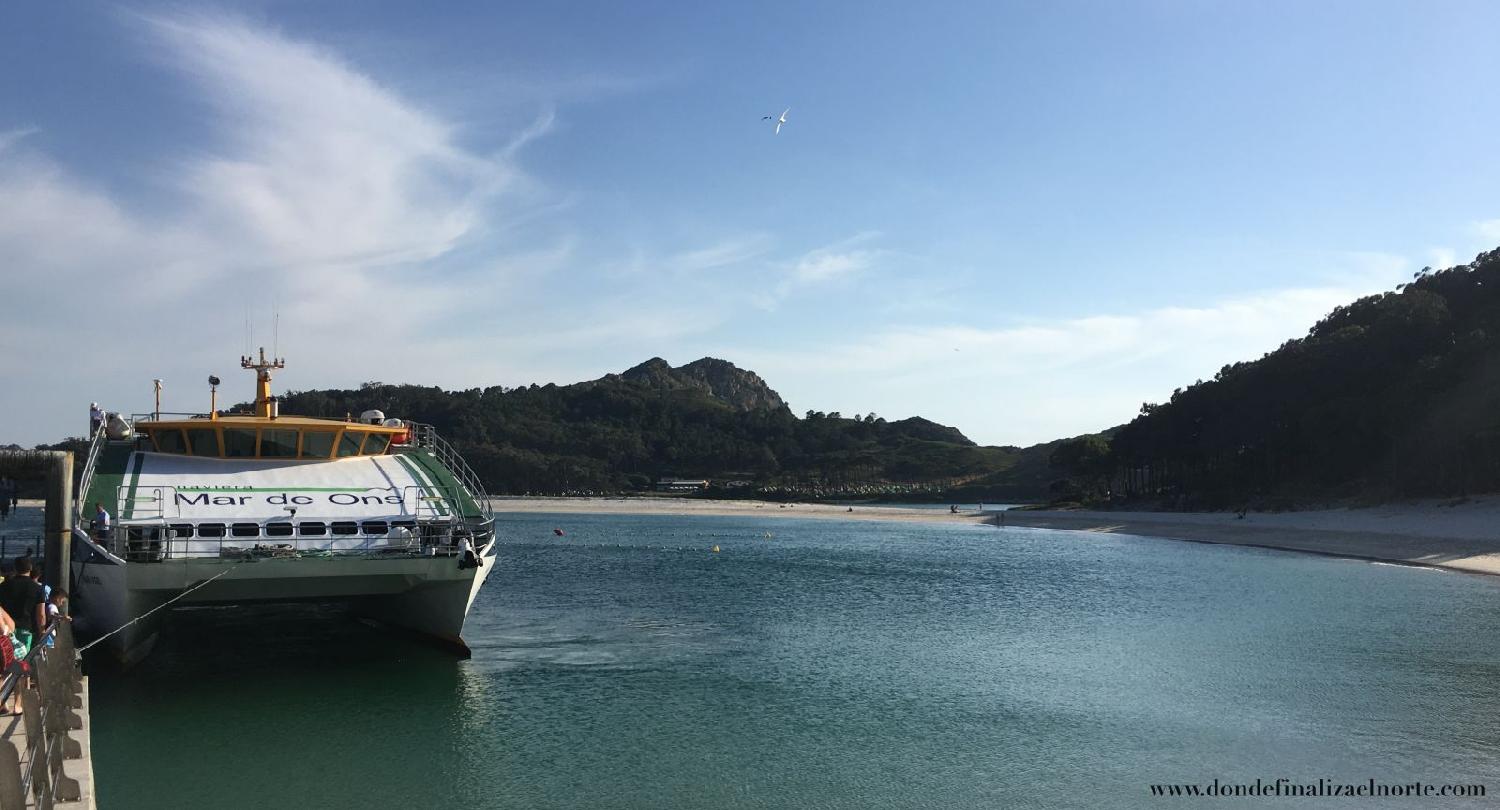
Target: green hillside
707 419
1394 395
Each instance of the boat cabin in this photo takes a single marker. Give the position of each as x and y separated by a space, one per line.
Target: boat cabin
283 438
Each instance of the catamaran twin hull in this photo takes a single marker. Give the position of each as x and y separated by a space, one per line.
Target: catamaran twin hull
394 535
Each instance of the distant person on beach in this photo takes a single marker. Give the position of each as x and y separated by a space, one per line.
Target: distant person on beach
96 418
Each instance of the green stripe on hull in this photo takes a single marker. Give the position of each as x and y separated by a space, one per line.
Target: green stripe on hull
464 503
428 489
128 509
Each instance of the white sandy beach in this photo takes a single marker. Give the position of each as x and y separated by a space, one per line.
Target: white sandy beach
701 506
1463 536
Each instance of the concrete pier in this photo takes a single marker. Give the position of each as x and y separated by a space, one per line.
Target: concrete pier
45 754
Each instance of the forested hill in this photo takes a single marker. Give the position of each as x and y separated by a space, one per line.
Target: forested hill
1395 395
706 419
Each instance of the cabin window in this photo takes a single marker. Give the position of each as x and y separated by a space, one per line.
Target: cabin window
245 530
278 443
182 530
311 529
169 441
317 443
204 441
210 530
376 444
239 442
346 527
349 443
403 524
375 527
279 529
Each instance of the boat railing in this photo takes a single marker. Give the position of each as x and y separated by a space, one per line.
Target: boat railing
33 772
14 545
146 503
156 416
80 495
426 437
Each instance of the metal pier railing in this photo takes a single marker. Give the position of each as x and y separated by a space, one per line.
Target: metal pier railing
81 493
44 758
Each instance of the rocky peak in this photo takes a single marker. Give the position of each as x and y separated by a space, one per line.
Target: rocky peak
740 389
655 371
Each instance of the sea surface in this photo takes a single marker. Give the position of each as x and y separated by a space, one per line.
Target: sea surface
825 664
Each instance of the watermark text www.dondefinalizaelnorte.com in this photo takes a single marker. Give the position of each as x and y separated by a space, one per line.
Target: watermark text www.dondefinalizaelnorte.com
1317 789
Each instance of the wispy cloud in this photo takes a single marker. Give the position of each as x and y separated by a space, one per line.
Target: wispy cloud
320 165
323 189
1068 375
825 266
1488 229
843 258
733 251
9 138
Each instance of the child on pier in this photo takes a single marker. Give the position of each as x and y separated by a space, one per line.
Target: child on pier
57 606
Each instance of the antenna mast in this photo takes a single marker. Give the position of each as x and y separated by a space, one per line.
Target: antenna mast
262 368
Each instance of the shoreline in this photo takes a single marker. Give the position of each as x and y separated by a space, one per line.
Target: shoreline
708 507
1463 537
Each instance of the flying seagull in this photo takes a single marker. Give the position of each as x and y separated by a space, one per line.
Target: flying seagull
779 121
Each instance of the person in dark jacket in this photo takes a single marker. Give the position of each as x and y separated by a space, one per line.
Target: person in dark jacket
21 597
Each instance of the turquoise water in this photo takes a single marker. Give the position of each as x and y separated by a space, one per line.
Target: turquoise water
830 665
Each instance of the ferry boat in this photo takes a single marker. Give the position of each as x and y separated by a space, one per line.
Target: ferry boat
255 508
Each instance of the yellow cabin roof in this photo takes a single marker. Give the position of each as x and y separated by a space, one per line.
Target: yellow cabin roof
286 422
264 437
265 434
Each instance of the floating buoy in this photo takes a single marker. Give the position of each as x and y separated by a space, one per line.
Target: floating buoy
557 532
716 549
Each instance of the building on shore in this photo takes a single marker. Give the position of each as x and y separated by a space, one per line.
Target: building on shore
681 485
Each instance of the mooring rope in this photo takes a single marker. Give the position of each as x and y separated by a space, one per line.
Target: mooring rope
153 610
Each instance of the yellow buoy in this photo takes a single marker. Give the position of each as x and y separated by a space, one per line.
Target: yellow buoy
716 549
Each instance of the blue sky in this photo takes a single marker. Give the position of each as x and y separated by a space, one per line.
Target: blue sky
1022 219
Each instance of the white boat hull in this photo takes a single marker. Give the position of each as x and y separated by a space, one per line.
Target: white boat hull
427 595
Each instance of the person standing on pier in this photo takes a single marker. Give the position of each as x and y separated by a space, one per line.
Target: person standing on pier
96 418
57 607
36 576
21 597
